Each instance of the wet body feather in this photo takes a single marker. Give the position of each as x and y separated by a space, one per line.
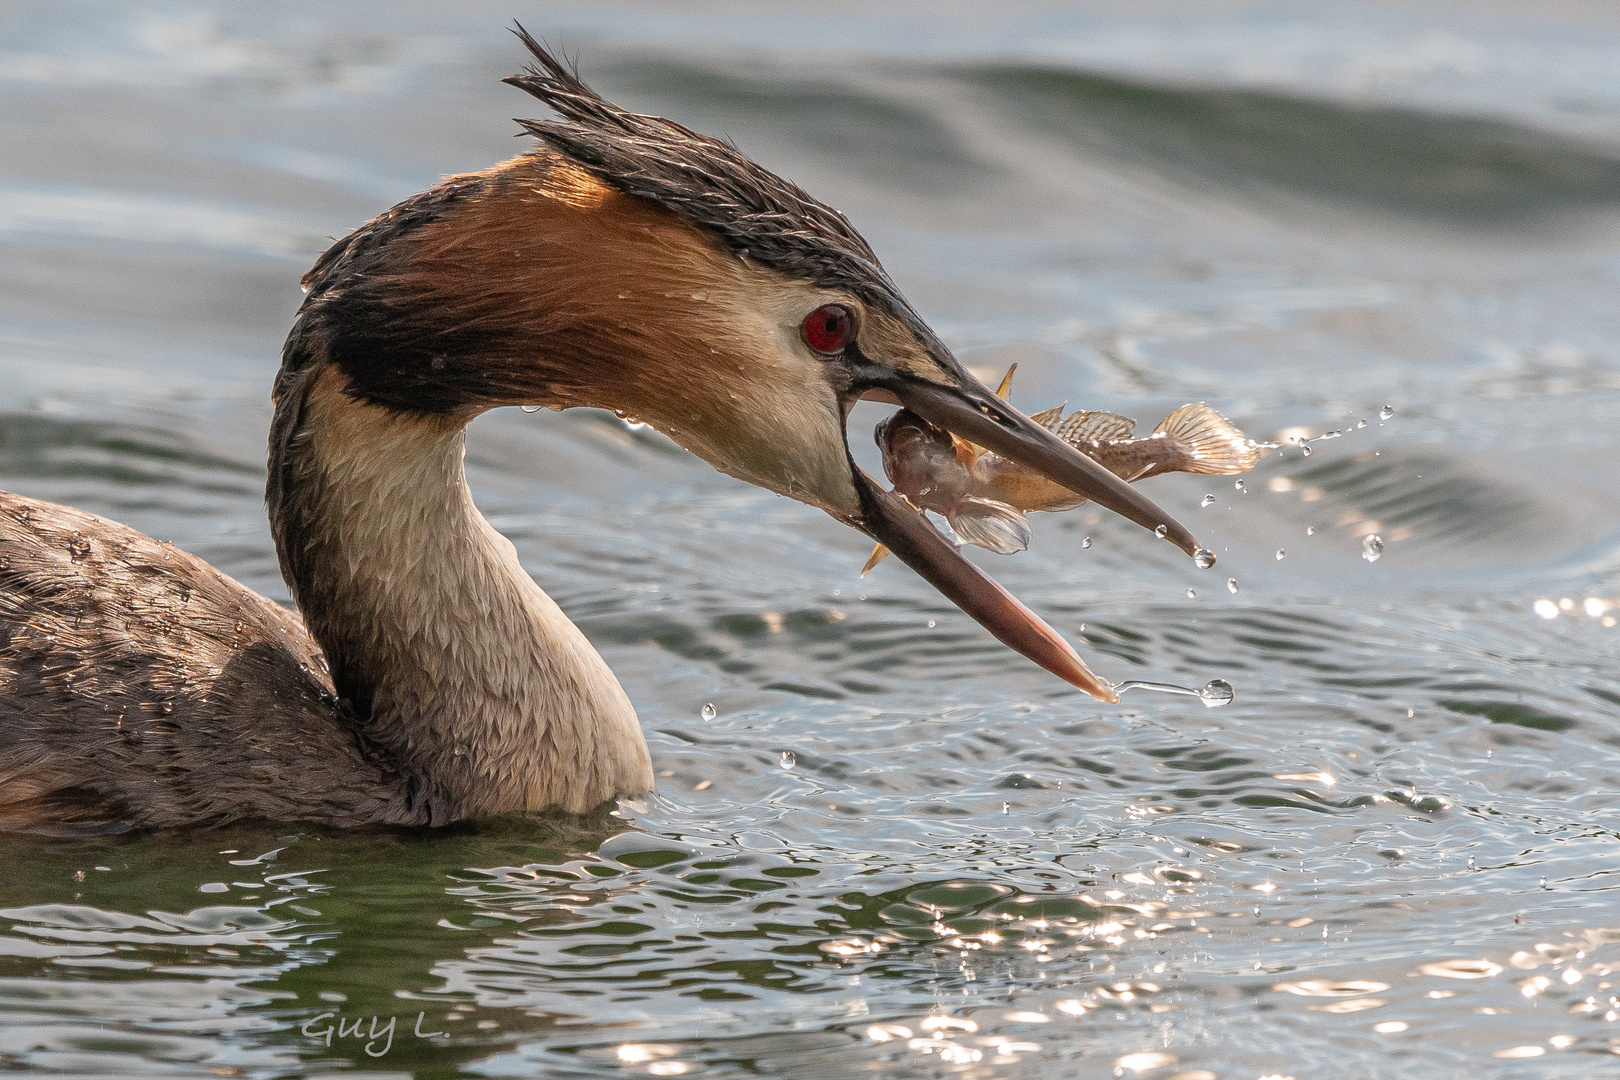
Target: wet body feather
139 687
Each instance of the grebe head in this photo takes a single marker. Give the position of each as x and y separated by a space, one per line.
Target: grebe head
631 264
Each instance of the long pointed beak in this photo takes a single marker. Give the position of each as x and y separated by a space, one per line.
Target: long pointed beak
973 412
892 521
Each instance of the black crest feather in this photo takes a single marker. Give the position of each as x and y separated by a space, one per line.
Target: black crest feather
750 210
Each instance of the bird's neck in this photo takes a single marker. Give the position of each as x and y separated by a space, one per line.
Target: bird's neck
458 665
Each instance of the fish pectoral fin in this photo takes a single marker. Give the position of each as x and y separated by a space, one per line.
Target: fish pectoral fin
879 553
992 525
1212 444
1094 427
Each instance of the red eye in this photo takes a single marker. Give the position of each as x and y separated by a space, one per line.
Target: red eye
827 329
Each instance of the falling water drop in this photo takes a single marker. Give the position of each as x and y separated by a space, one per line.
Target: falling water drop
789 759
1281 554
1203 558
1207 500
1240 486
1386 412
1162 531
1085 541
709 712
1372 546
1361 424
530 408
1231 585
1213 694
1305 448
1192 594
1310 530
1006 808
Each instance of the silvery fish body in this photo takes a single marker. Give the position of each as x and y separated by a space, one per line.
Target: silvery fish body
984 496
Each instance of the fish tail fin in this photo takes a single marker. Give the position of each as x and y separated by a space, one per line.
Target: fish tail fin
879 553
1004 391
992 525
1212 444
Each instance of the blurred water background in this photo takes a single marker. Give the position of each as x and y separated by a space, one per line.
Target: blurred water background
896 848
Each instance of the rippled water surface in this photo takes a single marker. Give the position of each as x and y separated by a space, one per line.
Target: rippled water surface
892 847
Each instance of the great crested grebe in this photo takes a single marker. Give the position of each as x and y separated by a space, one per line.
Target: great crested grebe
625 263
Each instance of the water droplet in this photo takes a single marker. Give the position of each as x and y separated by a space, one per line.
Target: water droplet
1203 558
1240 486
1213 694
167 708
1305 449
1162 531
930 624
530 408
1006 808
1330 435
79 546
1372 546
1281 554
789 759
1085 541
1409 713
1231 585
1192 594
709 712
1361 424
1207 500
1386 412
1310 530
1543 881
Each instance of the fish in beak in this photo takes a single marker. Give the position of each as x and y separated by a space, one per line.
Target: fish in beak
985 497
970 410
